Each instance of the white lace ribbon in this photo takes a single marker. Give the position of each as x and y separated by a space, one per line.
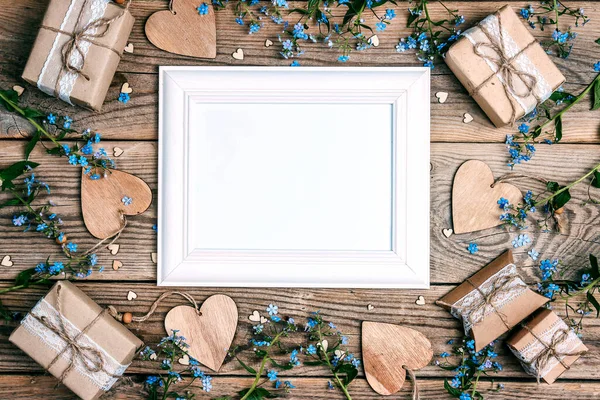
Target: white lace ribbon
468 308
91 10
527 354
103 379
542 90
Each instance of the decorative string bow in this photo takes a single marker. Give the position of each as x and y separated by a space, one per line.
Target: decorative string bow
503 62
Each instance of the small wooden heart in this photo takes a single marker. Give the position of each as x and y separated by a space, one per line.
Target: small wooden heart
374 40
268 43
117 151
183 31
447 232
475 201
6 262
420 301
131 295
102 209
238 54
18 89
153 257
113 248
126 88
209 334
324 345
442 97
128 48
467 118
370 307
185 360
117 264
387 349
256 317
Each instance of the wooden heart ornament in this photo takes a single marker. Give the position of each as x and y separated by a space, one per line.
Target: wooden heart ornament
183 30
105 202
475 197
387 349
210 333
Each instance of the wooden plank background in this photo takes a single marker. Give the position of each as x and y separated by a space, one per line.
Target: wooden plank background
133 127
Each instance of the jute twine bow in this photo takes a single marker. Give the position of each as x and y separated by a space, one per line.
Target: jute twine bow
540 361
91 358
89 33
505 68
119 316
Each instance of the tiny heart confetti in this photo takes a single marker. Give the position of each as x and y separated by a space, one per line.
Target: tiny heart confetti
128 48
113 248
268 43
153 257
238 54
467 118
442 97
447 232
18 89
339 354
131 295
370 307
185 360
256 317
117 151
420 301
324 345
153 356
117 264
374 40
6 262
126 88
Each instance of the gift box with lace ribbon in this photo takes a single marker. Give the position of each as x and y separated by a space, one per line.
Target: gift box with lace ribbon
503 67
78 49
546 346
493 301
77 341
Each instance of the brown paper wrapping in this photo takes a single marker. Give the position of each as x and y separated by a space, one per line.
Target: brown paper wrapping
492 326
543 320
100 63
472 70
80 310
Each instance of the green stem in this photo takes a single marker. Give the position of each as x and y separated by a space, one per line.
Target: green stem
475 384
261 369
555 6
570 185
338 381
31 120
428 22
584 289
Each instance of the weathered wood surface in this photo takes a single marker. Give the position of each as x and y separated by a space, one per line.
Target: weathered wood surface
19 22
345 307
133 127
450 261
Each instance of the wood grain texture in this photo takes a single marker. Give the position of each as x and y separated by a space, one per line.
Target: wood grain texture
183 30
103 201
388 350
210 332
475 198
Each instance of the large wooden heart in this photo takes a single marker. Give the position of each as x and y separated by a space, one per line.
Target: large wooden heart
475 201
184 31
102 201
209 334
387 349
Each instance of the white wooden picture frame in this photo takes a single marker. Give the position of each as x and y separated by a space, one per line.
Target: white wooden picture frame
293 177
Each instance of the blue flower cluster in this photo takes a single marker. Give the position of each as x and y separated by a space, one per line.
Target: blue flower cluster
517 215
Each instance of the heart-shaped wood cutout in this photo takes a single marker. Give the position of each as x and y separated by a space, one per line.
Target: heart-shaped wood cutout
386 349
209 334
475 201
184 31
101 201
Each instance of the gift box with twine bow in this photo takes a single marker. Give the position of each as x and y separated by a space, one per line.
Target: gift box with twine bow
503 67
492 301
546 346
77 341
78 49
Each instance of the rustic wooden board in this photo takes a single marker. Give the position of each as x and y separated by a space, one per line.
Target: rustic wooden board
347 308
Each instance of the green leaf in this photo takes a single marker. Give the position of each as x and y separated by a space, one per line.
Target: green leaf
33 113
24 277
11 202
452 391
31 145
285 367
596 179
597 41
16 170
54 150
552 186
562 96
558 129
257 394
594 302
247 368
595 268
10 95
560 200
350 371
596 96
314 363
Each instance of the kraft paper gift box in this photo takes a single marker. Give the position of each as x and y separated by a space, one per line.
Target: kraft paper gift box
503 67
74 36
66 319
546 346
492 301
